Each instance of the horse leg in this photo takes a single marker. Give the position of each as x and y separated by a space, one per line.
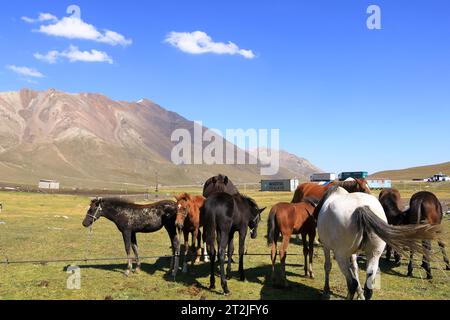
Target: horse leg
305 253
134 245
411 265
230 254
273 256
373 259
347 268
444 254
283 254
175 260
186 251
198 237
355 275
425 259
127 240
205 251
222 247
312 237
397 258
242 235
212 253
327 267
388 253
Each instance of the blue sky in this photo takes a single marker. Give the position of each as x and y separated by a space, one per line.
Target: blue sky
343 96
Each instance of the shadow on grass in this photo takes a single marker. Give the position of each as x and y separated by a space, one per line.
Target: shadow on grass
162 264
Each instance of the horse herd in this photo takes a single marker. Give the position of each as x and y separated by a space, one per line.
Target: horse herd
347 217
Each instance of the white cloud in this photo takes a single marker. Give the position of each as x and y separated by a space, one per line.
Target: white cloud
75 28
43 17
73 54
199 42
25 71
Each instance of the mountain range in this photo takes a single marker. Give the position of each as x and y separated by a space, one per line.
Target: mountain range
88 140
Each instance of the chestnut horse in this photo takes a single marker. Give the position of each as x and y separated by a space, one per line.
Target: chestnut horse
391 201
425 208
316 192
189 221
289 219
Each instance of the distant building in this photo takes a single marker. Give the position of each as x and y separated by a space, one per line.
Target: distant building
355 175
279 185
379 184
48 184
319 177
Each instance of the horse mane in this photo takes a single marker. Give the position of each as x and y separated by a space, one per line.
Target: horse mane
325 197
252 203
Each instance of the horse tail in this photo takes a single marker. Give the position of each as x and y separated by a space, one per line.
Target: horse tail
209 228
398 237
271 227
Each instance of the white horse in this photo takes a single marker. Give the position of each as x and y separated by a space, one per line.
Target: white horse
352 222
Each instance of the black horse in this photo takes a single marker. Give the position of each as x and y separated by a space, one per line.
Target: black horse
391 201
425 207
225 214
132 218
219 183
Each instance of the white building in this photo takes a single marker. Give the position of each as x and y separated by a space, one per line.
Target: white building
318 177
48 184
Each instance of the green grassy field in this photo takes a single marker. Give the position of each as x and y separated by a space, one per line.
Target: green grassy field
48 227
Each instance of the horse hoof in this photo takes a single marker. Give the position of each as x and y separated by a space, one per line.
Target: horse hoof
185 270
212 287
312 276
447 268
429 277
226 293
228 276
326 296
126 273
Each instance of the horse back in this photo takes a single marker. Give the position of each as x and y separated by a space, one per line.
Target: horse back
425 207
309 190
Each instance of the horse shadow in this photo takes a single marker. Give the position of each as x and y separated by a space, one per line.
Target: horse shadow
161 264
387 267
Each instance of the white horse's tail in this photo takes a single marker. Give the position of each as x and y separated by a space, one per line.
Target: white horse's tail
398 237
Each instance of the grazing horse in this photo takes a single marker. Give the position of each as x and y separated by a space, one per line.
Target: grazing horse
132 218
226 214
288 218
425 208
315 192
391 201
189 221
350 222
219 183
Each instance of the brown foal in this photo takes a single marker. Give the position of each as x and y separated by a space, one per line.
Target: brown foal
188 221
289 219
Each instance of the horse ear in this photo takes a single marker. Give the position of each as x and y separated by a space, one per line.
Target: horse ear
225 180
178 197
261 210
214 180
187 196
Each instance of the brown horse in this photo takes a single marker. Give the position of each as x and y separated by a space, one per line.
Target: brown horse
425 208
315 192
391 201
289 219
189 221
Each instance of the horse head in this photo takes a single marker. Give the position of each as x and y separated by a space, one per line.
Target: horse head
363 186
94 212
255 217
219 183
184 202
